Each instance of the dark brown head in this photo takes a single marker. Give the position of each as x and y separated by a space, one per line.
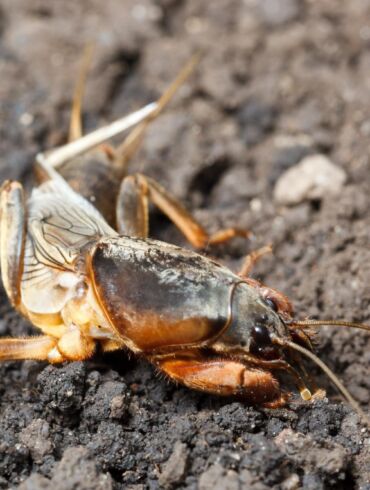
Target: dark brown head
257 314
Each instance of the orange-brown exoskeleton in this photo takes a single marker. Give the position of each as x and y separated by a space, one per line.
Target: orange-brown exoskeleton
87 284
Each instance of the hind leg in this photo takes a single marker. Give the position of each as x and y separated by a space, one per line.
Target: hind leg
36 348
72 346
132 213
123 153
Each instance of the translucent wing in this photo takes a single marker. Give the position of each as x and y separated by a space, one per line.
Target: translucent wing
60 225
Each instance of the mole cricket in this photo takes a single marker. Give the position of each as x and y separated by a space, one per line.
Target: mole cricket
87 275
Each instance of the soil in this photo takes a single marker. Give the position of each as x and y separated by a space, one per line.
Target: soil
279 80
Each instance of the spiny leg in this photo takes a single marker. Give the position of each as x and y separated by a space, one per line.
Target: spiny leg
132 212
226 377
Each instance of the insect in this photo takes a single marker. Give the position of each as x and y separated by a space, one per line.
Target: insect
87 275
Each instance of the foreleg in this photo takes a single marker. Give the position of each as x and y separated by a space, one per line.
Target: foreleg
225 377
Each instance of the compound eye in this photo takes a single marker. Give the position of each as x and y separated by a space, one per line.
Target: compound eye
272 304
279 303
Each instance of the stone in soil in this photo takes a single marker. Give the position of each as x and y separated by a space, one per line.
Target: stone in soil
314 178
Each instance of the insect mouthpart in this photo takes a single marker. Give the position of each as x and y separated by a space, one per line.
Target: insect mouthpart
287 344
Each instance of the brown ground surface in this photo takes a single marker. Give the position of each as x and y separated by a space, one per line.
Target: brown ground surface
280 79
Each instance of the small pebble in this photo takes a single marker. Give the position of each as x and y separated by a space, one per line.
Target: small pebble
36 437
311 179
218 478
174 469
327 458
291 483
278 12
78 470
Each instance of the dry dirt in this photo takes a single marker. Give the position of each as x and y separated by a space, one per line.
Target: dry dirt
280 79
